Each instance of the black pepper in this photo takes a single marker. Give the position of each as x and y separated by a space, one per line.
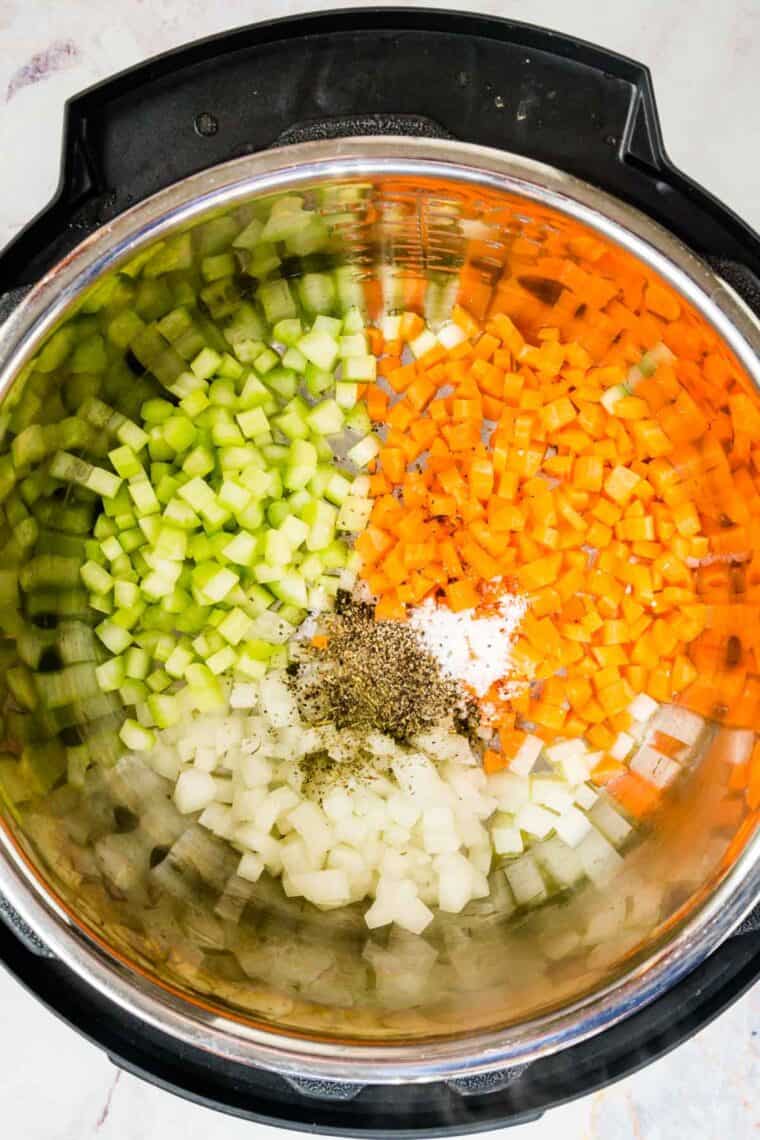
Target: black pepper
379 677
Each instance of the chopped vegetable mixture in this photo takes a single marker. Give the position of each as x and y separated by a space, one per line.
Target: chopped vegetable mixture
538 510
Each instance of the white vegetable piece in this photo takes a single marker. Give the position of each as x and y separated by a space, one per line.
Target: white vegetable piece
224 789
398 901
219 819
246 802
585 797
439 833
599 859
642 707
682 724
536 820
326 889
572 826
354 831
403 810
337 805
247 836
450 335
347 859
444 746
423 343
311 824
382 745
481 859
418 777
390 324
563 749
255 770
244 696
275 804
186 746
551 793
166 763
610 822
507 840
621 746
523 762
194 791
295 856
455 882
251 867
511 792
398 837
559 861
525 881
277 701
655 766
206 758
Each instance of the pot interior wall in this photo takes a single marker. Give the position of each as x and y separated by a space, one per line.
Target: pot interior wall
161 894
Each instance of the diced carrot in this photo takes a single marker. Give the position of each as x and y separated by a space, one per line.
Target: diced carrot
390 608
637 796
606 770
662 300
493 761
400 378
462 595
377 403
393 463
620 483
525 472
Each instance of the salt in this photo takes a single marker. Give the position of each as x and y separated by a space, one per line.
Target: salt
468 647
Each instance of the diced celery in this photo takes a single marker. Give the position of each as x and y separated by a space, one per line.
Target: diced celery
291 588
360 368
136 663
135 737
326 418
321 518
319 348
253 422
205 363
241 549
165 710
233 496
276 300
96 578
114 637
302 463
288 331
125 462
222 660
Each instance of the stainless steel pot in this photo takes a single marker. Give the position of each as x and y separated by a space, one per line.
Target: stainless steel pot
291 989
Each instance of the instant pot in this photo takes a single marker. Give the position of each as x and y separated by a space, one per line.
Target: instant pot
458 129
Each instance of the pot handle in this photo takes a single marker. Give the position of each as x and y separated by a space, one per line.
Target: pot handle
483 80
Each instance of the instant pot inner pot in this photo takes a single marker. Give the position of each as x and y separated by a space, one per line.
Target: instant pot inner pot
159 896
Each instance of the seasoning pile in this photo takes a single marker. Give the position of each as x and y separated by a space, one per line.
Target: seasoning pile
471 647
378 676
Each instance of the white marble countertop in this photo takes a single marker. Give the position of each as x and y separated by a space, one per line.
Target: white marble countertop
53 1085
